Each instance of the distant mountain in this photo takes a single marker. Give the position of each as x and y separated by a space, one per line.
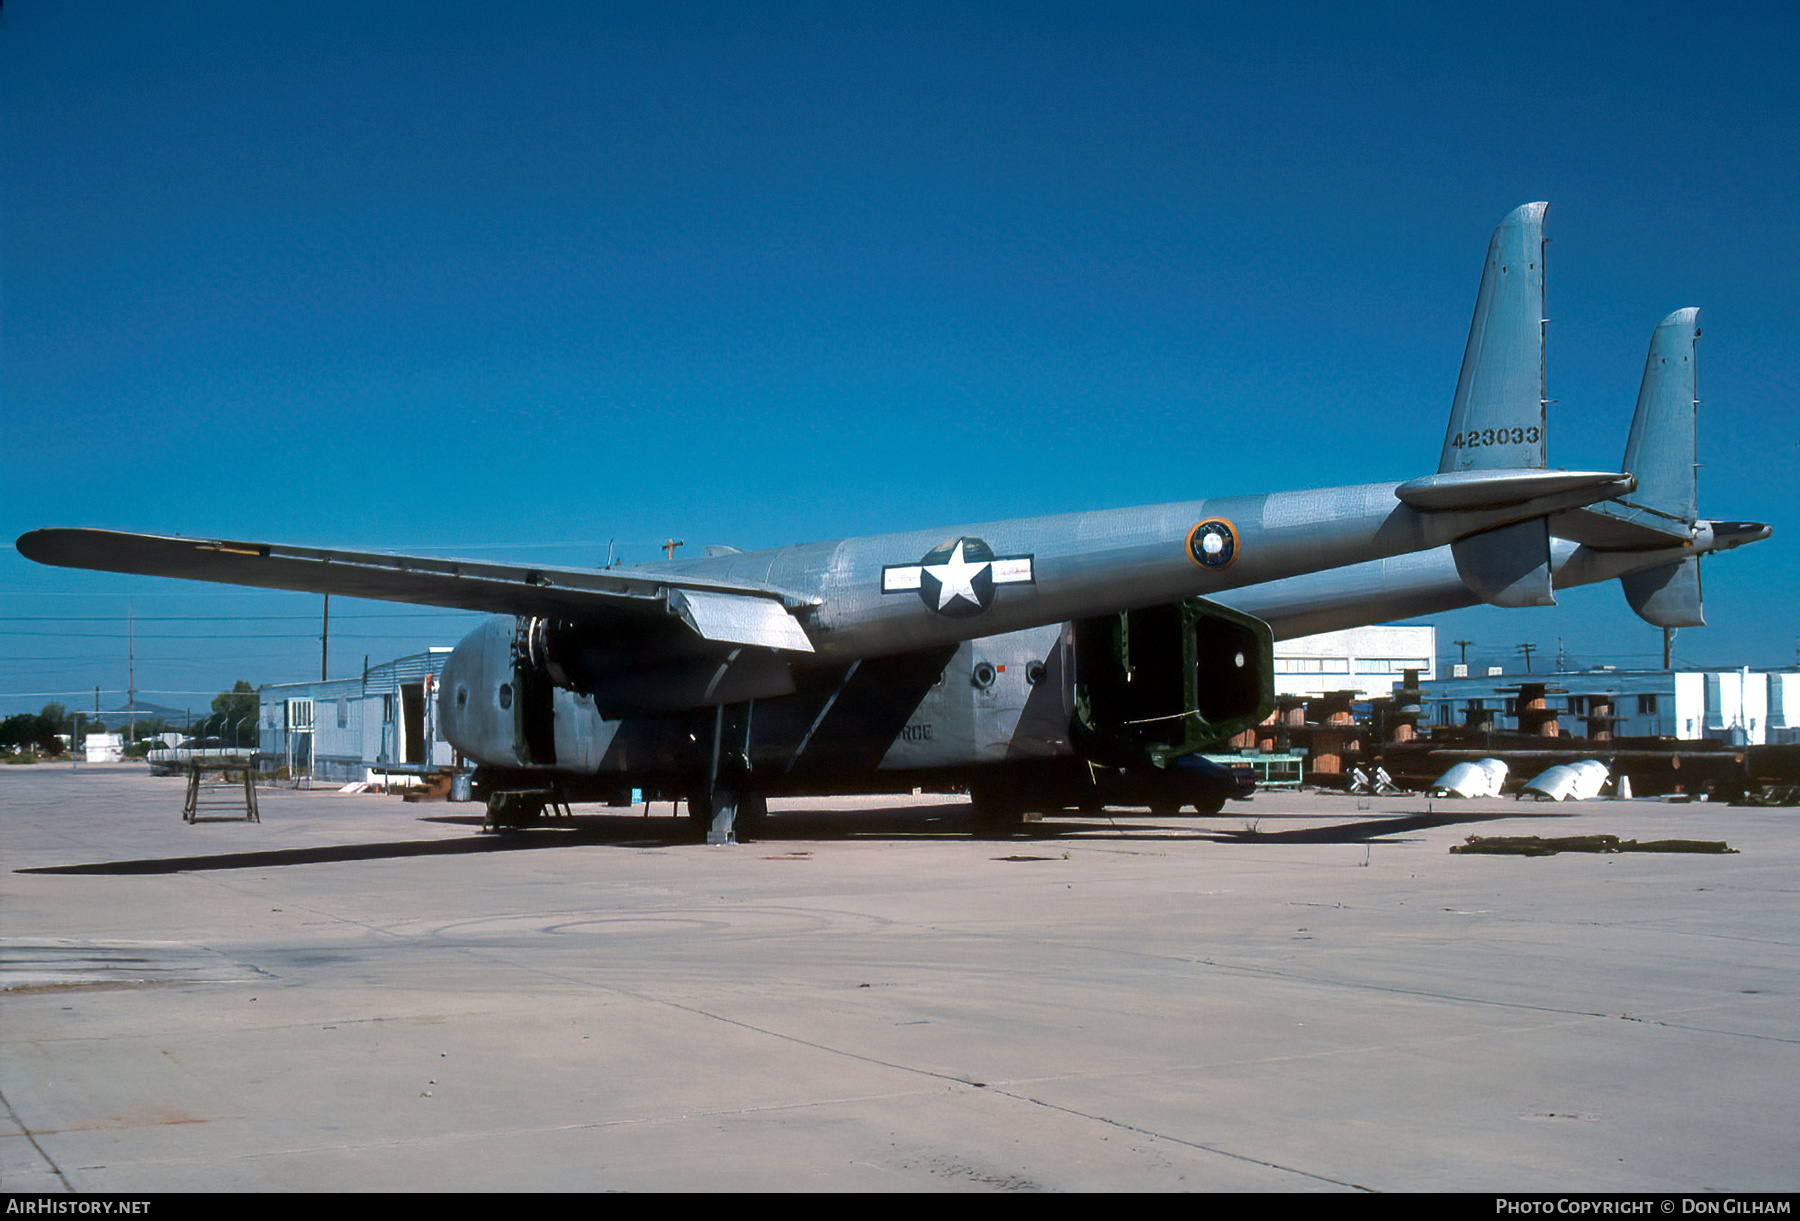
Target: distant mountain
146 710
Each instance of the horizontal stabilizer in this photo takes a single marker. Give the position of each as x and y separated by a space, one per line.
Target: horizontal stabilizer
1668 596
1614 526
1509 566
1494 489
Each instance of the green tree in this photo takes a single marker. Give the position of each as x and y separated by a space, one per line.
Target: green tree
233 713
146 727
26 729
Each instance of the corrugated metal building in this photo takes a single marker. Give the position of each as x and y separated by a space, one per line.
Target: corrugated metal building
1738 707
354 728
1369 660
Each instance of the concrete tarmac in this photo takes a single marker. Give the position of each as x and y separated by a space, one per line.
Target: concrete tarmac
1305 993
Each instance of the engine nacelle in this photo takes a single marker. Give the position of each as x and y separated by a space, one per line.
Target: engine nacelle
1152 685
532 692
496 701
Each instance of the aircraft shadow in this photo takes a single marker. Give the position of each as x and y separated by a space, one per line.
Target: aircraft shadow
1366 830
623 831
892 823
336 852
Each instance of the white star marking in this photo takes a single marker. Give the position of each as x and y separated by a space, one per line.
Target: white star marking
955 577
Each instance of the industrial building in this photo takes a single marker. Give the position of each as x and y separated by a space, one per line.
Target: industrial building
383 724
1370 661
1742 707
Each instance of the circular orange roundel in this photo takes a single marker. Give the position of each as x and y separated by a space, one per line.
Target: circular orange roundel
1213 543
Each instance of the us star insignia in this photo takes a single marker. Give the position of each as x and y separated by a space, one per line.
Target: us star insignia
958 578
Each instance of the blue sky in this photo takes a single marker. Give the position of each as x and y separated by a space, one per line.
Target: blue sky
517 281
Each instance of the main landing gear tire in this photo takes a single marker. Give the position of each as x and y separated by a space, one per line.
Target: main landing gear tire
752 821
998 814
700 815
749 824
512 811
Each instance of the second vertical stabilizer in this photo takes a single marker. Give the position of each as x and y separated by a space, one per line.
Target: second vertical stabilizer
1668 596
1661 452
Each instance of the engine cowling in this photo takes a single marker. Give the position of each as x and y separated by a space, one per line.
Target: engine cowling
496 702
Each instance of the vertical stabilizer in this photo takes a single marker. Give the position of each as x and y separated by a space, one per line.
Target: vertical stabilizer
1497 418
1661 452
1668 596
1509 566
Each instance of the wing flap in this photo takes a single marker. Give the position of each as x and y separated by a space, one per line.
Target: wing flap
736 619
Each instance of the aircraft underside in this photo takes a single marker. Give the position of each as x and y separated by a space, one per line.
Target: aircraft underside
1101 711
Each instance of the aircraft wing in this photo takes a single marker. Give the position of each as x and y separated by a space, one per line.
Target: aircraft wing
727 612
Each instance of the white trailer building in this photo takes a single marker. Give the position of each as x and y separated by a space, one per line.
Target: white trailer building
384 723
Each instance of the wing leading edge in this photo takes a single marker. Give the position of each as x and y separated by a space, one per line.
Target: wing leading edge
727 612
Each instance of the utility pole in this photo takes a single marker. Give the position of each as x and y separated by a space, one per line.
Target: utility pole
669 547
130 676
1464 646
324 637
1526 649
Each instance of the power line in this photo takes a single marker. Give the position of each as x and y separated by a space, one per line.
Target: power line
229 618
222 639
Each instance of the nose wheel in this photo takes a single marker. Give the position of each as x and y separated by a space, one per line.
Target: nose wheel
516 809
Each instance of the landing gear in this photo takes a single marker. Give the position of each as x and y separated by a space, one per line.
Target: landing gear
752 817
727 816
514 809
700 813
998 811
723 808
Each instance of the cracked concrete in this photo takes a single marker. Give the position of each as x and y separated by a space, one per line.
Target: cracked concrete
359 994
